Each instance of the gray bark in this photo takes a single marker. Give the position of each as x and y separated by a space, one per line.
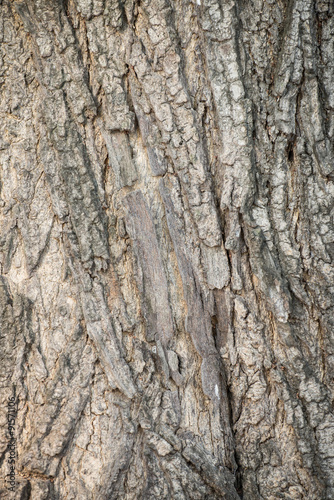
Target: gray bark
166 248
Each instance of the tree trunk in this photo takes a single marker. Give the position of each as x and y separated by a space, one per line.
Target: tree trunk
166 249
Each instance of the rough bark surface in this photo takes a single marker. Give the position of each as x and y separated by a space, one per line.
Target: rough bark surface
167 248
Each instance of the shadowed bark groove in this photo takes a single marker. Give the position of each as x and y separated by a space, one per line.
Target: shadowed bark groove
166 248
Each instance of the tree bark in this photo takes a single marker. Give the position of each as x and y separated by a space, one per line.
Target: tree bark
166 249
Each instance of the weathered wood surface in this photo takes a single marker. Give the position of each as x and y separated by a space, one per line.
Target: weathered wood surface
166 248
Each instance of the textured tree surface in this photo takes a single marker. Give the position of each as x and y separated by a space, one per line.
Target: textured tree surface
167 248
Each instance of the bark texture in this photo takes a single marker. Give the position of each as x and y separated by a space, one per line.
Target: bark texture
167 248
